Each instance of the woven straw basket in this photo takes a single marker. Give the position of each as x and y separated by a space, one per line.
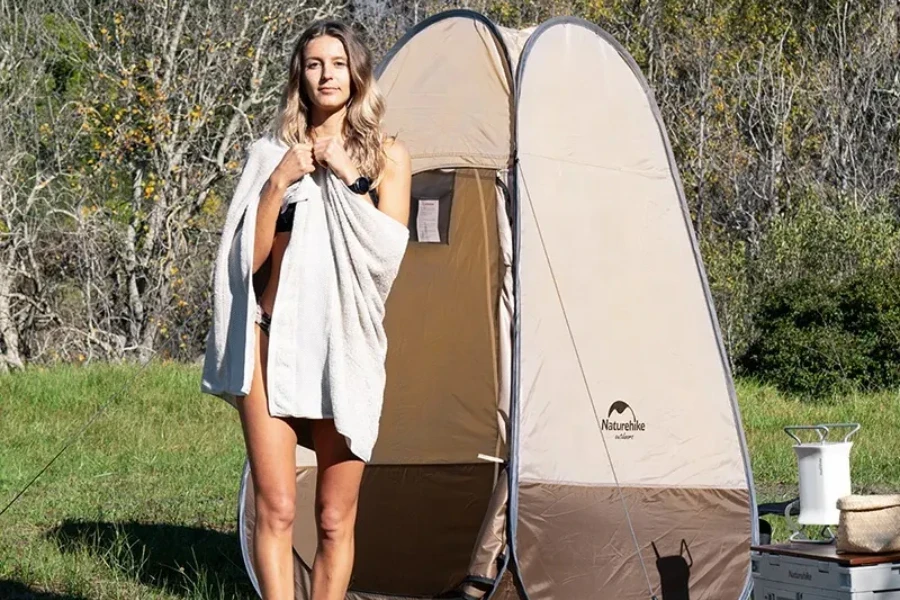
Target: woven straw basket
869 523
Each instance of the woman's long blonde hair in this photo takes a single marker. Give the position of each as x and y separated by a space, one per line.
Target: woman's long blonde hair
362 133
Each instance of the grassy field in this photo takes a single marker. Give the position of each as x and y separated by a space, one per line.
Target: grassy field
874 463
117 515
143 505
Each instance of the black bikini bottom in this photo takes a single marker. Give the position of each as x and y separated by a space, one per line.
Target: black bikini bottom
264 319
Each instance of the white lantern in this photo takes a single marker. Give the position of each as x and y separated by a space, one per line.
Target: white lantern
824 474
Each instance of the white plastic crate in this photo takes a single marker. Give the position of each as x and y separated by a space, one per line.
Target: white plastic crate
768 590
778 576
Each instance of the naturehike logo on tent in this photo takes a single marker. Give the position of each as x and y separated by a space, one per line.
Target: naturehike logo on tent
625 429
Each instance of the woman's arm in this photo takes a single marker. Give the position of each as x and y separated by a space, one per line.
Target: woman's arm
396 183
269 206
296 163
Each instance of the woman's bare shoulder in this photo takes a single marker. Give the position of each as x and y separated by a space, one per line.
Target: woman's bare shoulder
394 187
395 150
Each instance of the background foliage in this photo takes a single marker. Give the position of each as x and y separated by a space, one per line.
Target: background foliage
125 122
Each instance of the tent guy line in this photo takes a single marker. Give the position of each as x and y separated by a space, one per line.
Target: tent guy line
77 434
126 386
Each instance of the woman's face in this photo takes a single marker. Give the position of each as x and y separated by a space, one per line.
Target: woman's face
326 73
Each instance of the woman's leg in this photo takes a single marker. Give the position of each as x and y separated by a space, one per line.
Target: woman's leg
271 443
337 491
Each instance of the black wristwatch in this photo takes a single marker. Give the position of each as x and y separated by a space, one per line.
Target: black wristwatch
360 186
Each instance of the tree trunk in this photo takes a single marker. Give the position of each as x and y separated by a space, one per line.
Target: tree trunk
9 334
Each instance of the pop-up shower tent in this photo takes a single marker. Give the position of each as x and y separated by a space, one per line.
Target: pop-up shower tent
559 407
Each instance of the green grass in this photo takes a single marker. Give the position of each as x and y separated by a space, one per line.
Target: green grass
143 505
873 459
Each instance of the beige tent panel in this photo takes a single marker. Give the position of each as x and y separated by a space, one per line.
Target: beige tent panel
624 386
451 109
642 331
515 40
608 261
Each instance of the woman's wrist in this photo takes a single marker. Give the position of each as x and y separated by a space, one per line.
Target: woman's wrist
276 181
349 175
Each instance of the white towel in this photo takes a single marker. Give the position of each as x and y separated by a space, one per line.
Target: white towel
327 345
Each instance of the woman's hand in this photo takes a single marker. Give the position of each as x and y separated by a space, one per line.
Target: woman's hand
296 162
329 152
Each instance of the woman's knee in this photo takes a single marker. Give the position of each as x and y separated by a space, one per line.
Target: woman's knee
339 477
276 510
335 519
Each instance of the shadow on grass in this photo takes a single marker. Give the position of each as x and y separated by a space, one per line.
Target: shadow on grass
188 561
14 590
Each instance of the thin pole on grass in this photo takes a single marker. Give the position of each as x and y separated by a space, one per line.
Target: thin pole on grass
77 434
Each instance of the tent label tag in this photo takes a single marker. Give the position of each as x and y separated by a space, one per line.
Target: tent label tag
427 221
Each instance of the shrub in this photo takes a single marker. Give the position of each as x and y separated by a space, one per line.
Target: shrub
817 337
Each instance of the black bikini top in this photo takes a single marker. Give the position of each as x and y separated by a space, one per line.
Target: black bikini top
285 221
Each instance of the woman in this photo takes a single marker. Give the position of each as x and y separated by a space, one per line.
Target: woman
330 117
